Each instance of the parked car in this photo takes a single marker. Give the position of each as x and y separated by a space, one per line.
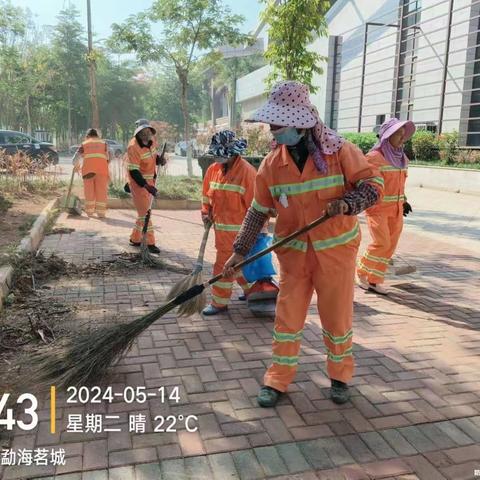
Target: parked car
116 149
181 148
12 142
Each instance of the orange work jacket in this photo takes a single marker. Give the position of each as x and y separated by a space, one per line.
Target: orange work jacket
95 157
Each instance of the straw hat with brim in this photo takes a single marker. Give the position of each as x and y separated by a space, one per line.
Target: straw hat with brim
393 125
142 127
288 105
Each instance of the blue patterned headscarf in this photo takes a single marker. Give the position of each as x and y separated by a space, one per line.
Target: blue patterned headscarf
225 144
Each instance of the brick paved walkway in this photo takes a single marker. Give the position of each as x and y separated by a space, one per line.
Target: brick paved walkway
415 407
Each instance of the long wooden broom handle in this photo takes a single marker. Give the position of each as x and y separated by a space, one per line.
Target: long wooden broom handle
203 246
272 247
149 211
71 181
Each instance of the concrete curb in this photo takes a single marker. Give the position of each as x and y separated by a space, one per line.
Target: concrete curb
28 243
457 180
161 204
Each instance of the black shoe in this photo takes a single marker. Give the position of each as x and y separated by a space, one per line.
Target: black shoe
268 397
242 298
339 392
134 244
153 249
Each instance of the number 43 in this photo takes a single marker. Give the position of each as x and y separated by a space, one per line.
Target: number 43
9 421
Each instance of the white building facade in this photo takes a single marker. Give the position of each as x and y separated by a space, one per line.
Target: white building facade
413 59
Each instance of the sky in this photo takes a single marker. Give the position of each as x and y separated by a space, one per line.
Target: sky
106 12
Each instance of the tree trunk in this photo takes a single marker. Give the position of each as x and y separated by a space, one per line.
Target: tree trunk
233 95
29 117
91 70
186 121
69 102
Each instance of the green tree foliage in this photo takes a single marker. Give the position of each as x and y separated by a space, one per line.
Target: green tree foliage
292 26
189 29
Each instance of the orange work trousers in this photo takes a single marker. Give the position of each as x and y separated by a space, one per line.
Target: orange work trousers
332 279
141 199
222 290
96 191
385 229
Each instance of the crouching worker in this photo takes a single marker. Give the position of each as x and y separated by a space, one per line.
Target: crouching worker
227 195
142 161
310 172
385 220
93 163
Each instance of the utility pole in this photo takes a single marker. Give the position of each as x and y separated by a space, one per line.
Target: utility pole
91 67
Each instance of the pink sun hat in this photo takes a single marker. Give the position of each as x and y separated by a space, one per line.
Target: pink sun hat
391 126
288 105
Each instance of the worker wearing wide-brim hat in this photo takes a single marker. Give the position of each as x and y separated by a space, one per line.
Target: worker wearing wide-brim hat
385 219
311 171
227 195
142 158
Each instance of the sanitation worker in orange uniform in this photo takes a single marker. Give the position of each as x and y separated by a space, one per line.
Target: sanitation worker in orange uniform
142 159
94 169
227 195
385 220
310 172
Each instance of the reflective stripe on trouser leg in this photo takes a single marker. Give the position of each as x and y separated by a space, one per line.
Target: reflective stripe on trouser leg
89 192
101 194
334 285
291 311
385 231
222 290
141 200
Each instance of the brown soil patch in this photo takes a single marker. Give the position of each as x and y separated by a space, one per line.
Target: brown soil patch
17 217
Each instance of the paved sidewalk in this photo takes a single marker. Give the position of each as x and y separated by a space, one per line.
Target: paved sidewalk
415 407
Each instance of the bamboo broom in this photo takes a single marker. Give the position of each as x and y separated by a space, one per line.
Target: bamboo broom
198 303
88 357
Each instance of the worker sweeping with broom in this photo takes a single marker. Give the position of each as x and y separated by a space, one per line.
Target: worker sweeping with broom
311 171
385 220
227 195
92 160
142 159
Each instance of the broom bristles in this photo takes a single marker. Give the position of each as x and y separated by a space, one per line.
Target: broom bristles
197 303
87 358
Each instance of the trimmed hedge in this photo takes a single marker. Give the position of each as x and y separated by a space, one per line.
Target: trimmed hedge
364 141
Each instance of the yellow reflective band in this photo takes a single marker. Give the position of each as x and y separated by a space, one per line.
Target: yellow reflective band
95 155
339 358
144 156
362 267
260 208
205 200
393 198
227 228
133 166
227 187
378 180
342 239
148 176
220 300
293 244
288 361
308 186
281 337
338 340
390 168
373 258
224 285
